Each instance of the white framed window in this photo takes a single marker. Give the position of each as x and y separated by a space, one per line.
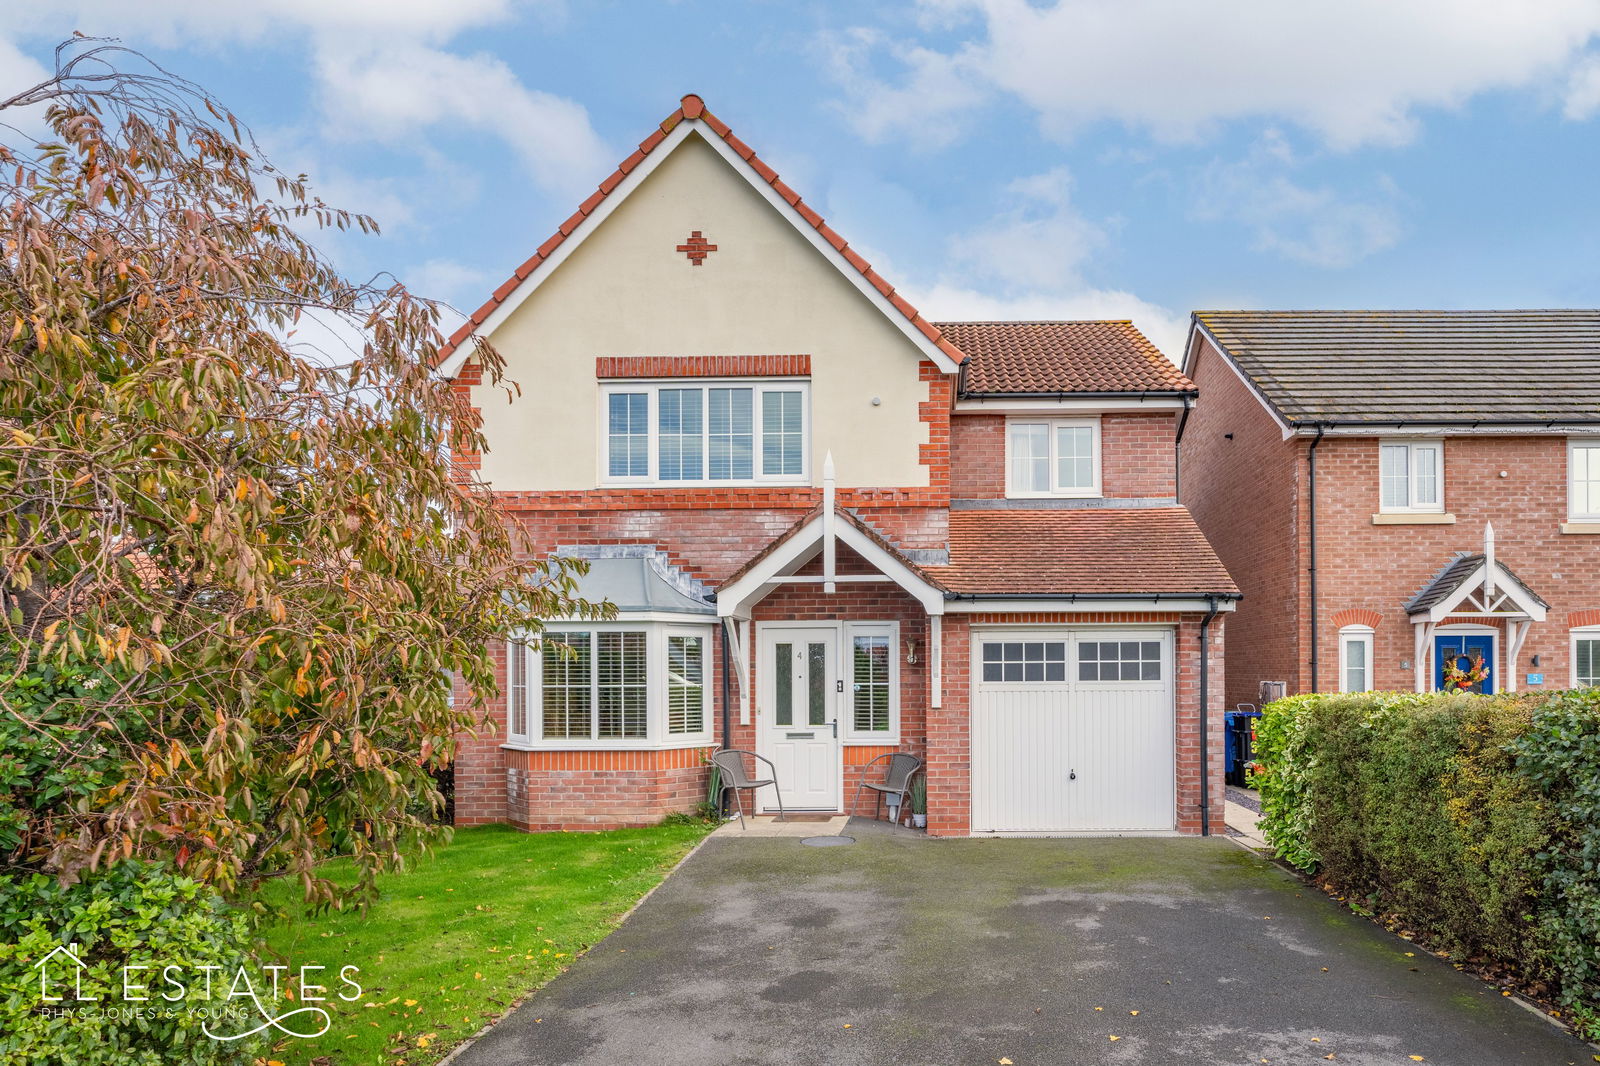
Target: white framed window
874 709
517 690
1052 457
1410 476
1583 480
693 432
610 684
1355 659
1586 657
686 683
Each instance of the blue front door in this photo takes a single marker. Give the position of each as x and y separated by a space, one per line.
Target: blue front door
1461 648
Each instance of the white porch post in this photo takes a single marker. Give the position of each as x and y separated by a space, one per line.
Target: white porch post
1516 633
1422 655
828 538
936 661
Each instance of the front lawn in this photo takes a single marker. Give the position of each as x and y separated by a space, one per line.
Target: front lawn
455 941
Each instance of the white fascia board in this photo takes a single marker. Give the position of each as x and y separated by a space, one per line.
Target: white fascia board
1086 605
932 599
1410 429
1244 379
976 405
680 133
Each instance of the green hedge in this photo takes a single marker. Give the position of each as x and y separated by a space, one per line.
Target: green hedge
1473 819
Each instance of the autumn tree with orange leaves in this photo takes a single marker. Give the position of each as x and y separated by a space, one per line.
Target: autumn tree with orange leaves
236 572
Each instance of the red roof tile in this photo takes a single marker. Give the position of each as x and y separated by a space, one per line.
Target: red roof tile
1054 357
692 107
1089 551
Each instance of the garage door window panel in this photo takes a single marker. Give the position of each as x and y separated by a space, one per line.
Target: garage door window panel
1023 661
1119 660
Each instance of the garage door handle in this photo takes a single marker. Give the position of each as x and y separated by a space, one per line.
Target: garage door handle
1072 775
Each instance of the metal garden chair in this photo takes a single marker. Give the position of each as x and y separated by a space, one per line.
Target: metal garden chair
730 763
896 780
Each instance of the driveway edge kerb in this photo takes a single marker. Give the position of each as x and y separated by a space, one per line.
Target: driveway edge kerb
520 1000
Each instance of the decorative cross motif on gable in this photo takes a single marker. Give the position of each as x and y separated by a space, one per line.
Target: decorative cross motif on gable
697 248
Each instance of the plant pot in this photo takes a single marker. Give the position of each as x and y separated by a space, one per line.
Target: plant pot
919 821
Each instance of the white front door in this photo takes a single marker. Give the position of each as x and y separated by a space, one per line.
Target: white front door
798 717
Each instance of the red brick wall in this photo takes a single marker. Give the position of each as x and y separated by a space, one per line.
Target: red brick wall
579 790
1136 456
1375 568
1242 492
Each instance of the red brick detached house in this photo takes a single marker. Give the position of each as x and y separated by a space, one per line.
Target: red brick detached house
832 528
1400 491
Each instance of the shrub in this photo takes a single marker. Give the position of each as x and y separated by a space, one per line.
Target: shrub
1473 820
131 914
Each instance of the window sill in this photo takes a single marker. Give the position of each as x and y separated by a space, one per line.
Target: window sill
704 741
1092 495
1586 526
1413 518
872 742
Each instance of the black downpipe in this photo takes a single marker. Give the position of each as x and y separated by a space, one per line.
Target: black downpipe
1311 528
1205 716
1177 454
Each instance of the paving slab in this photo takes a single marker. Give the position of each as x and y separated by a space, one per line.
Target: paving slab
903 949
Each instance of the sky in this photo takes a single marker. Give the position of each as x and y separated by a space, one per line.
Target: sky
992 158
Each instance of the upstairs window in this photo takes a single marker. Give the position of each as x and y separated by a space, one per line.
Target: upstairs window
1053 457
1411 476
705 434
1583 480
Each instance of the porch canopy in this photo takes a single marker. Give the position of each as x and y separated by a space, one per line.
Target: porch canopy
819 532
1479 587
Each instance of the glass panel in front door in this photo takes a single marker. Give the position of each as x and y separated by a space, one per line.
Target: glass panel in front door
783 683
817 681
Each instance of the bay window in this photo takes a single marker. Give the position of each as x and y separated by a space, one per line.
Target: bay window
698 433
1411 476
1052 457
611 684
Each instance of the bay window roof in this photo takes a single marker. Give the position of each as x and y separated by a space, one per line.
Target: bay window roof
636 585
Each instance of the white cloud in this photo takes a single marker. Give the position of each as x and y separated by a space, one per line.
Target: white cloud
1317 225
451 281
935 86
1026 262
382 68
1351 71
393 91
1040 240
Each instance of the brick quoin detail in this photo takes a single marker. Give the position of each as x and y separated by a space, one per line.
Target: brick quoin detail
697 248
702 366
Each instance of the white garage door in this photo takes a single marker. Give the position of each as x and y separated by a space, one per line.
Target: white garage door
1072 731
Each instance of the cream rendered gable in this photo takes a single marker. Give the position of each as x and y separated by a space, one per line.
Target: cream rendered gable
765 291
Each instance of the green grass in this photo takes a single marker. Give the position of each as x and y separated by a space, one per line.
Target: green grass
453 942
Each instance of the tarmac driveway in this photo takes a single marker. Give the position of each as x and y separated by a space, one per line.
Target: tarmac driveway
899 949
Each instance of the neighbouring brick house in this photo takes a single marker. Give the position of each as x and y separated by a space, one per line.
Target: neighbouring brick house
833 529
1349 467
